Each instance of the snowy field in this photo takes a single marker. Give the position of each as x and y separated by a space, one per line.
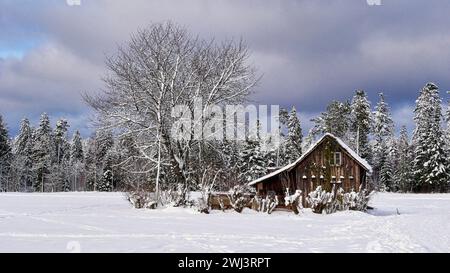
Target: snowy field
104 222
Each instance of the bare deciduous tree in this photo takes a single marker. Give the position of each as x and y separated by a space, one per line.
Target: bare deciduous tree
164 66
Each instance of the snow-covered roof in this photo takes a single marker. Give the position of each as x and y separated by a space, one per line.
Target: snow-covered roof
352 154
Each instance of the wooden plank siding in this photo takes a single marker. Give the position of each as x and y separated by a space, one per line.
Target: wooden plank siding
306 175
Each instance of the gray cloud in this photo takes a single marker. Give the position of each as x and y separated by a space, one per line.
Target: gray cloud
310 51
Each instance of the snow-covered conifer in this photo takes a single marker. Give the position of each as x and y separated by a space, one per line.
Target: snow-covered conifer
76 148
76 160
23 150
42 155
402 174
383 151
106 182
96 155
61 168
251 159
336 120
447 130
361 123
387 169
430 162
294 138
5 156
62 146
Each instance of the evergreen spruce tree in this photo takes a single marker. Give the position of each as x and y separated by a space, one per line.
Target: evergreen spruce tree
383 149
97 152
42 155
24 138
361 124
293 146
5 156
309 140
76 160
430 162
90 164
403 171
62 146
23 150
447 129
229 152
336 121
284 117
387 170
251 159
271 152
106 183
447 139
76 148
252 165
60 168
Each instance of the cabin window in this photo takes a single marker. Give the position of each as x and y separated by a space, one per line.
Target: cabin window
336 159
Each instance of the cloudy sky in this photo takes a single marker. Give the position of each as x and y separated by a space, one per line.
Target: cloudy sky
310 51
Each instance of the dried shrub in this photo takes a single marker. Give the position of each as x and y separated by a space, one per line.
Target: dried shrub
239 197
141 199
294 201
329 202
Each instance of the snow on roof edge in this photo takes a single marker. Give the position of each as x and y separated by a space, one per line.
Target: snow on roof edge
353 154
287 167
362 161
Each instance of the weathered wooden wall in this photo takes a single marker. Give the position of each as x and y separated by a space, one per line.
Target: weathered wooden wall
314 170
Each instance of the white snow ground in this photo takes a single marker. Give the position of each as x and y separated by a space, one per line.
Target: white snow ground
104 222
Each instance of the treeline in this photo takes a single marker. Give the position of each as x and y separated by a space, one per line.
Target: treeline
46 159
43 159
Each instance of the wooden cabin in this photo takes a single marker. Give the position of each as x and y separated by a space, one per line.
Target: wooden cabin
328 162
